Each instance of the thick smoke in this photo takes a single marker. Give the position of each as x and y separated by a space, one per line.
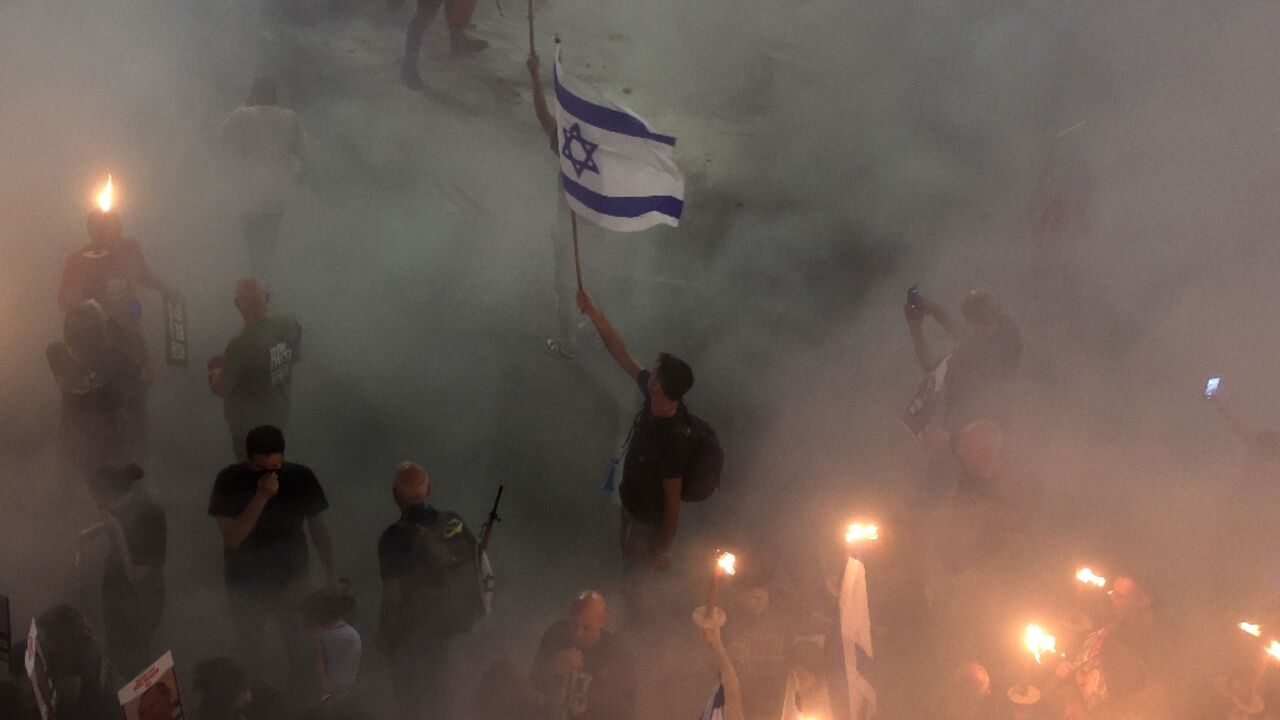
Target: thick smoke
836 154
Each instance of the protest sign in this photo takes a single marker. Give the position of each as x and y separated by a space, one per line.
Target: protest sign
153 695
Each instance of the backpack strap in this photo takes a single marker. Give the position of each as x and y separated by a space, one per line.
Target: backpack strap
635 422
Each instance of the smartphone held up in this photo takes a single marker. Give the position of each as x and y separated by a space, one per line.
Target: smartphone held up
1211 387
913 297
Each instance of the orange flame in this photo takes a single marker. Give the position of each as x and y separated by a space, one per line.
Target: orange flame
1252 628
1038 641
858 532
106 196
1086 576
1274 650
726 562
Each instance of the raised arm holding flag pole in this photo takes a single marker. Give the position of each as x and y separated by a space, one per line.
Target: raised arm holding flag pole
615 170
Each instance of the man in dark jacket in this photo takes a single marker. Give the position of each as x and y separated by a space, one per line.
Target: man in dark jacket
430 592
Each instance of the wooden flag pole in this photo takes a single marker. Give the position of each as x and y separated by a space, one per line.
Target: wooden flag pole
577 262
530 27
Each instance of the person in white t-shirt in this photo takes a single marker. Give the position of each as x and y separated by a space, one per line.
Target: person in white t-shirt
336 646
269 148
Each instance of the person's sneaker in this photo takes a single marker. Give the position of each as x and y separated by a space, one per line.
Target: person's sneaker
557 350
463 43
411 78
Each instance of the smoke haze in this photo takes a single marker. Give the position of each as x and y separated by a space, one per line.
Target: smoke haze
836 153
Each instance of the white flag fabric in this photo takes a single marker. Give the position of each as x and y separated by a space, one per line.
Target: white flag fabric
715 706
484 576
791 699
615 170
855 633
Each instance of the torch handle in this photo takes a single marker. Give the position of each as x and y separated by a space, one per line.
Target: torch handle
711 593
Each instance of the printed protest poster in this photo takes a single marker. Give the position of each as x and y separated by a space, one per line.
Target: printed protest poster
153 695
38 671
175 331
921 410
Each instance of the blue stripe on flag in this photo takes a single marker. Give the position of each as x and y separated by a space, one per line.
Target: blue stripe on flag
606 118
624 207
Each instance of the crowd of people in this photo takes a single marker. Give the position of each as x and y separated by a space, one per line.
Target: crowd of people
775 648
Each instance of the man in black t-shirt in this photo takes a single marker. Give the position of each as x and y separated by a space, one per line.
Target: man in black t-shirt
657 454
261 507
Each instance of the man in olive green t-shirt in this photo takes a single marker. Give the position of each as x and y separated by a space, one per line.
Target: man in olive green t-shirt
254 375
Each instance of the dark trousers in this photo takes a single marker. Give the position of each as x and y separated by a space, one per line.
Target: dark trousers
130 628
420 678
260 232
252 611
427 10
640 543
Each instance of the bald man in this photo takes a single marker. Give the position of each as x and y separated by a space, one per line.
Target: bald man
581 670
430 592
254 377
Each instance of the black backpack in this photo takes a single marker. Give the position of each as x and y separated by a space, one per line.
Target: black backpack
706 460
442 592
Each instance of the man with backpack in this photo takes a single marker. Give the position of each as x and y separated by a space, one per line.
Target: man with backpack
671 454
430 592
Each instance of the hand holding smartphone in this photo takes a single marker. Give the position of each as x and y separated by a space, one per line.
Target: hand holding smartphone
913 297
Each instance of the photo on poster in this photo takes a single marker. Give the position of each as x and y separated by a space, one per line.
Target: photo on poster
153 695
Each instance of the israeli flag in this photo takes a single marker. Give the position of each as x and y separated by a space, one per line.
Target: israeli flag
855 634
615 170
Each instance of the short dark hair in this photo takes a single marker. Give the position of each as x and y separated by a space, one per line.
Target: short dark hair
674 375
112 482
328 605
263 92
264 440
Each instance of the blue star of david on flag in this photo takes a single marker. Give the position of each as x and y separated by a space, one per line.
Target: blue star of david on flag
574 134
644 186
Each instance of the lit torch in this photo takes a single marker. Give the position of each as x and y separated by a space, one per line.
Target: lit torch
1087 576
106 196
724 566
1274 649
1251 628
1038 641
859 532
